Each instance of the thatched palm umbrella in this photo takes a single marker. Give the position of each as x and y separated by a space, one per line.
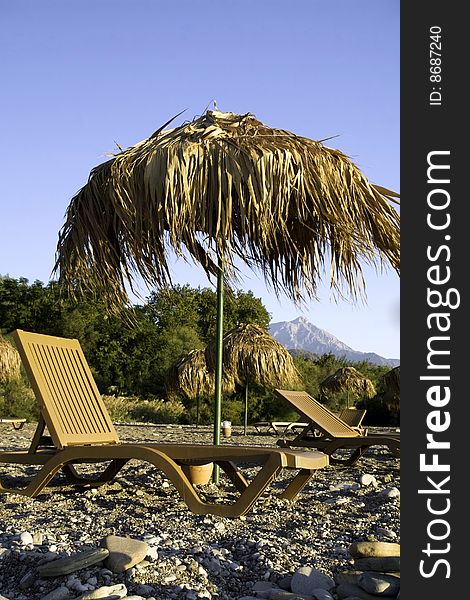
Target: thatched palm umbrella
193 375
391 383
221 187
10 362
250 355
349 380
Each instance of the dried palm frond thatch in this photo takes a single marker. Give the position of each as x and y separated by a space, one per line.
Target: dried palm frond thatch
192 376
222 187
10 362
348 379
391 383
251 355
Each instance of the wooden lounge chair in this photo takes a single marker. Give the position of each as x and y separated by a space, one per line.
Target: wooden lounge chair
328 433
80 431
14 421
354 417
278 427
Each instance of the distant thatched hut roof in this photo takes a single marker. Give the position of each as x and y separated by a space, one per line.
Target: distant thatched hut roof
10 362
391 383
250 355
348 379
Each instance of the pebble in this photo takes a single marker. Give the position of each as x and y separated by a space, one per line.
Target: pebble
367 479
106 591
391 492
60 593
379 584
346 590
307 579
26 538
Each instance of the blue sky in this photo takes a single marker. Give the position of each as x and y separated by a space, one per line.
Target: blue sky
80 75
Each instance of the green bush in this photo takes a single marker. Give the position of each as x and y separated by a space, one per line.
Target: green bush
131 409
157 411
379 413
17 400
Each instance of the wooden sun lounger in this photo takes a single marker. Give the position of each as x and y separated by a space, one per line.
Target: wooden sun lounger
278 427
328 433
81 432
16 423
354 417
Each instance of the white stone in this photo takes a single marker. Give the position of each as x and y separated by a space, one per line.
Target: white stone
26 538
366 479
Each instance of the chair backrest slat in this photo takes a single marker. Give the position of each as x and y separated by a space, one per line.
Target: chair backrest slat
352 416
311 410
68 398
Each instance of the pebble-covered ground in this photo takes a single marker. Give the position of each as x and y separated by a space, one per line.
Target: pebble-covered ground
191 556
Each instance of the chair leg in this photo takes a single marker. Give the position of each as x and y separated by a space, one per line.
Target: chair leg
74 478
234 475
297 484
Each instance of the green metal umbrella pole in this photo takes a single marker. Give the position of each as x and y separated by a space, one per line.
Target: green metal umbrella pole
218 362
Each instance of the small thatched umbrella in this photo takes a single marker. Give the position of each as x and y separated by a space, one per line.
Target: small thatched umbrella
251 355
221 187
349 380
391 383
194 376
10 362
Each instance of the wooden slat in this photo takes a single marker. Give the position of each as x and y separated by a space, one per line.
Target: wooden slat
65 389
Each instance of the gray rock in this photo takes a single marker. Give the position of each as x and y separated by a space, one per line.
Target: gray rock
106 591
285 583
70 564
379 584
387 533
378 563
347 576
124 552
322 595
345 590
27 581
366 549
4 552
391 492
60 593
285 595
144 589
307 579
263 586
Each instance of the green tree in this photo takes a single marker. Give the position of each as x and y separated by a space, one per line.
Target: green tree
196 308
